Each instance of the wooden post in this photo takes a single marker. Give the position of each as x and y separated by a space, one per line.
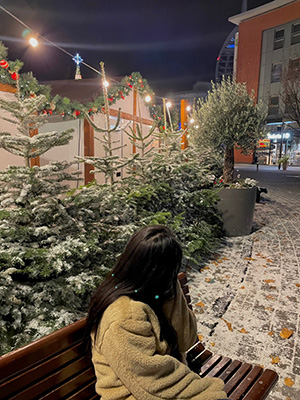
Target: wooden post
89 150
135 94
184 121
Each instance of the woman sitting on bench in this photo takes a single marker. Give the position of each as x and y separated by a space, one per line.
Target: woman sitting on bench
141 326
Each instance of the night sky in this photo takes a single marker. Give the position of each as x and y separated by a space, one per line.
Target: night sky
172 43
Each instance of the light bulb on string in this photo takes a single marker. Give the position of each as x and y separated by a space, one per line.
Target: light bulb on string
105 83
192 120
148 99
168 104
33 41
188 108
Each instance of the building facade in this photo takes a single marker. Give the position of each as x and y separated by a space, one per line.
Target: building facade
269 46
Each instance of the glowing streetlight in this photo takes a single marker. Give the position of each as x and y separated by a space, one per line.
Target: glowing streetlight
33 41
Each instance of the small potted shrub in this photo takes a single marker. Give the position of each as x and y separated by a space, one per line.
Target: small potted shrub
284 162
229 118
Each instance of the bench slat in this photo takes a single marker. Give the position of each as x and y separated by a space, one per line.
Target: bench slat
237 377
41 388
88 392
230 370
208 365
40 371
41 349
75 387
247 383
262 386
219 368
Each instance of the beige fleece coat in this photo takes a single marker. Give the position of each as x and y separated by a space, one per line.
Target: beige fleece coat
132 363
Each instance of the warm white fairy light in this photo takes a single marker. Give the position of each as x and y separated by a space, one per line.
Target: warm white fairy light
188 108
33 42
148 99
105 83
192 120
168 104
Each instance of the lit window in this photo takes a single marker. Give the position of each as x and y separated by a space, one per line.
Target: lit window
276 72
295 38
278 39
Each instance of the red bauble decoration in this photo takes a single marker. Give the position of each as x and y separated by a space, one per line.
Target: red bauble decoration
4 64
77 113
15 76
122 96
50 112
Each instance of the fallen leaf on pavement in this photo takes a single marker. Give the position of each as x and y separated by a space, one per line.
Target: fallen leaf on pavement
207 279
243 330
298 284
269 260
275 360
269 280
200 337
229 326
271 333
206 267
200 304
212 344
242 287
286 333
269 296
289 382
269 308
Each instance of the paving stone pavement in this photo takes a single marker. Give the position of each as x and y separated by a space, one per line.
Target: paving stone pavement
249 291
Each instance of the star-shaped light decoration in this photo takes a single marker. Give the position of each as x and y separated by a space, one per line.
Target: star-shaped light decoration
78 60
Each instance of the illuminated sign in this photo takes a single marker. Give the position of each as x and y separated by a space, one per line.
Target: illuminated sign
278 135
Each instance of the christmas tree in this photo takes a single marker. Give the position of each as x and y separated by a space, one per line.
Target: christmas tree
43 248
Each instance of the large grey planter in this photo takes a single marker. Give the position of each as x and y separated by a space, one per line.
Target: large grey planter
237 208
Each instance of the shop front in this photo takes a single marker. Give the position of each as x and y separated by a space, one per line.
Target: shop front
281 140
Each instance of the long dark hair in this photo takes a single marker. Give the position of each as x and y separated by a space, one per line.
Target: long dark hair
146 271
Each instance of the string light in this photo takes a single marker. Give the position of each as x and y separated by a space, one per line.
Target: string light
168 104
105 83
33 41
147 99
188 108
28 30
192 120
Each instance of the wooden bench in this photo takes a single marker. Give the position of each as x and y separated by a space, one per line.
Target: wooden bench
56 367
242 380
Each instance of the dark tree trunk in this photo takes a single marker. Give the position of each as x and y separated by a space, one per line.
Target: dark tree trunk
228 165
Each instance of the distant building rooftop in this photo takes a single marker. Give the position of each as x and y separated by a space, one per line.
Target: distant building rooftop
237 19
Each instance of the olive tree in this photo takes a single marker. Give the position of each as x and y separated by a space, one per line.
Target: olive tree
228 118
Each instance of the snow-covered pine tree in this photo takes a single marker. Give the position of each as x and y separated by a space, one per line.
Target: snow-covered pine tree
110 163
40 241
